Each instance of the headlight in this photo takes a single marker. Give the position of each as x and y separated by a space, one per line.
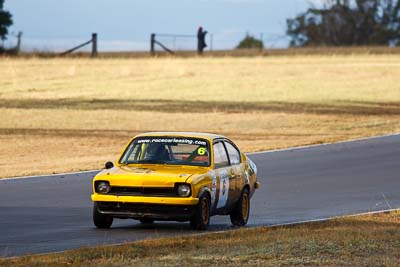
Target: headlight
103 187
184 190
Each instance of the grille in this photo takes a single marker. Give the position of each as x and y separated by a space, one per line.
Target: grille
143 191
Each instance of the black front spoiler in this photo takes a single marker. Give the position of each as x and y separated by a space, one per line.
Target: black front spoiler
151 211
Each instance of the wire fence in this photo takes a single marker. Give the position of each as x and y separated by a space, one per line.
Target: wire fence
163 42
92 41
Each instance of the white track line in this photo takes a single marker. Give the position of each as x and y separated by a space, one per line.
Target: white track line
250 153
324 144
45 175
216 232
312 220
335 217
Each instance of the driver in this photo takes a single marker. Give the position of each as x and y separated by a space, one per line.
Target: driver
157 152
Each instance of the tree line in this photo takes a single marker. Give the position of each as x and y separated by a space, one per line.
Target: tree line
5 21
347 23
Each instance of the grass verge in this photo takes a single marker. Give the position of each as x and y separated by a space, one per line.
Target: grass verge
369 240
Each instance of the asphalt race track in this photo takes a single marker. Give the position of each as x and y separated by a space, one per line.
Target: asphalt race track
54 213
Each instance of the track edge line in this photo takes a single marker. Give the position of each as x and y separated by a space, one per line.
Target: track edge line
218 232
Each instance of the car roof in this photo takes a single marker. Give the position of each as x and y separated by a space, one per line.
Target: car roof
209 136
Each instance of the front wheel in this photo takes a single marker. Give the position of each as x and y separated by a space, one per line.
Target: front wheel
101 221
201 217
240 214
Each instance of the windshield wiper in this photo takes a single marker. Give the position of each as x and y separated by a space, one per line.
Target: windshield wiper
154 161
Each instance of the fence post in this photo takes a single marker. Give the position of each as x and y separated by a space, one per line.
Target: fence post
211 41
18 47
152 39
94 44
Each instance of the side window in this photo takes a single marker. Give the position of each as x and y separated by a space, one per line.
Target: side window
234 154
220 157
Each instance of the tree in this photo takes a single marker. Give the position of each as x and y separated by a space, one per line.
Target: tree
346 23
5 21
250 42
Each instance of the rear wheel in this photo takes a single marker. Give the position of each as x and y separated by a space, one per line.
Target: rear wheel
101 221
201 218
240 214
146 220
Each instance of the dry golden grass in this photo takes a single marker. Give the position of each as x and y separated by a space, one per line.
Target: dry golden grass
306 79
372 240
71 114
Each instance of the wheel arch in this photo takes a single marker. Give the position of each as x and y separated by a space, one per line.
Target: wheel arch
206 190
244 187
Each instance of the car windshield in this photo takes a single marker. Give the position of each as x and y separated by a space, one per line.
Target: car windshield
167 150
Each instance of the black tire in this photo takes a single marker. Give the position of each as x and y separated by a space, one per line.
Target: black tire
146 220
201 217
240 214
100 220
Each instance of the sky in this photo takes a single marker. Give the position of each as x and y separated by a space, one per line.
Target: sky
126 25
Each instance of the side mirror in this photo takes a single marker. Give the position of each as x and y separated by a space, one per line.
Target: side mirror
109 165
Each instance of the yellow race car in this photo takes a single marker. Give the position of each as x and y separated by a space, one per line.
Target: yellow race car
176 176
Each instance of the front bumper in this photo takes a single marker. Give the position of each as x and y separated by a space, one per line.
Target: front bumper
158 208
140 211
145 199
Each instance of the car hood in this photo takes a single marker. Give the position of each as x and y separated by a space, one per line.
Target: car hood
148 175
